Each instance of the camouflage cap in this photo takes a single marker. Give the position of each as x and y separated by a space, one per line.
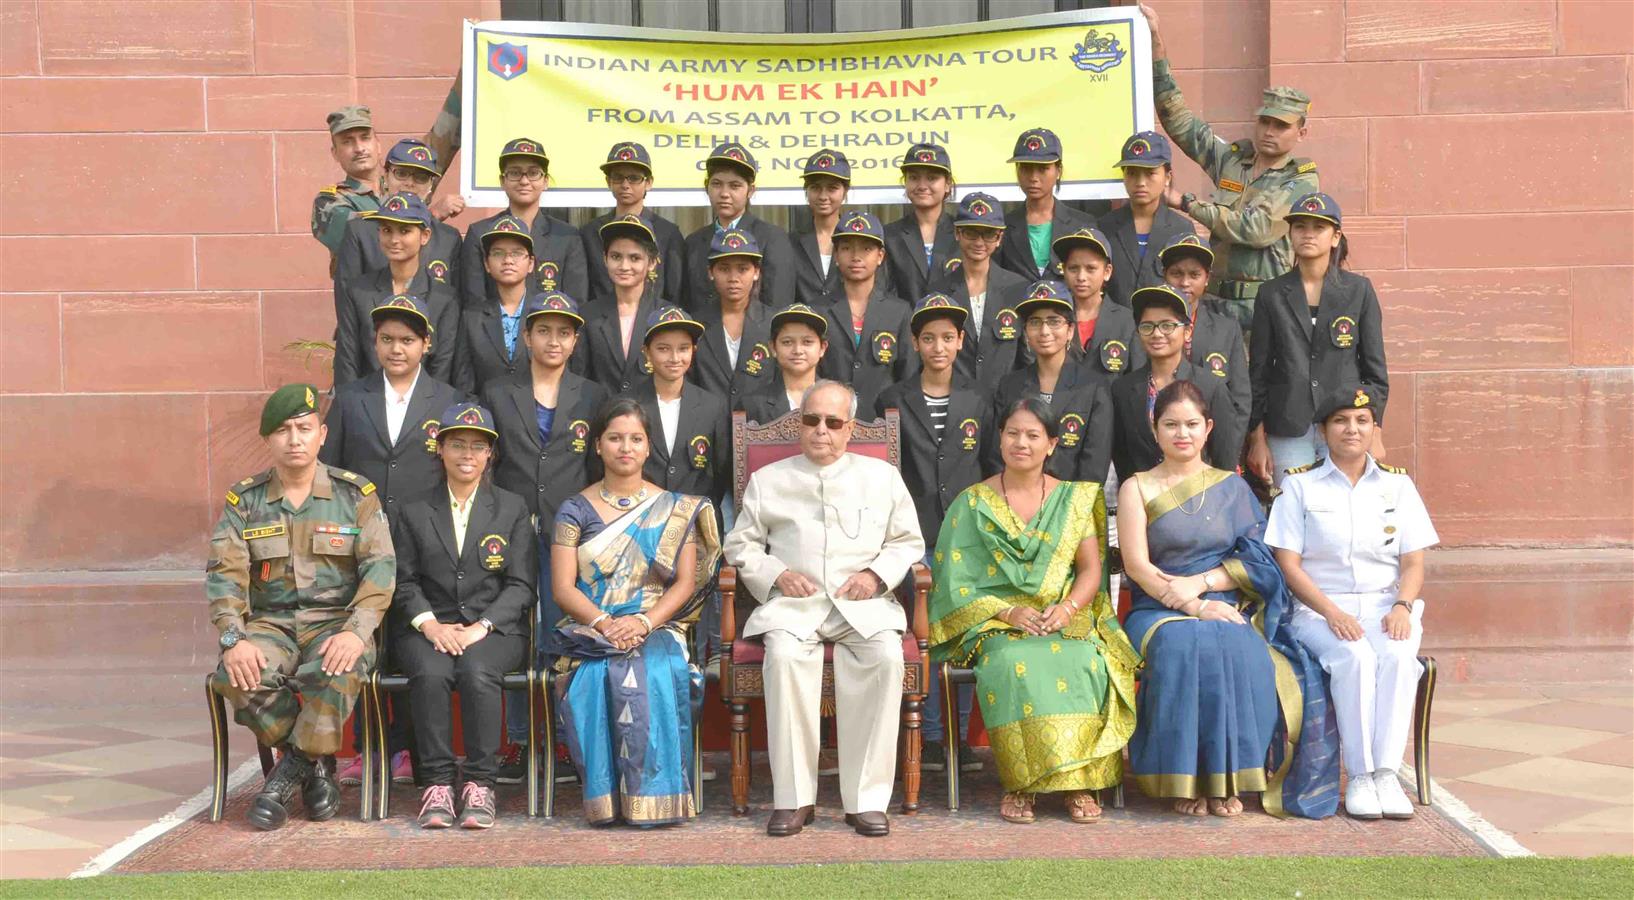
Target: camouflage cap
349 117
288 402
1285 103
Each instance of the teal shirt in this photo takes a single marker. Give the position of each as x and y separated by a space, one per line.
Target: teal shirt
1039 237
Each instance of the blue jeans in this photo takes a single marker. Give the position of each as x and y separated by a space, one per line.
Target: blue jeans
1291 452
933 729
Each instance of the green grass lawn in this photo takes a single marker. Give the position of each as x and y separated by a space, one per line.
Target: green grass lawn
1302 877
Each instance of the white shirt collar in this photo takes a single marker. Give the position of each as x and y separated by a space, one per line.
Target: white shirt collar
392 396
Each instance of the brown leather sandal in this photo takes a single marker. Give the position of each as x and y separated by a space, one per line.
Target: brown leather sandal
1083 809
1017 808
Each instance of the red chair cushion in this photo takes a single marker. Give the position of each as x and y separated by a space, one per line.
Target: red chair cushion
753 653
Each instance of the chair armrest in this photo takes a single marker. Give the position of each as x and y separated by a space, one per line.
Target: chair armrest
921 601
729 606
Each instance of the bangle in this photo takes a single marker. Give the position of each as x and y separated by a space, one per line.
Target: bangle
645 621
598 620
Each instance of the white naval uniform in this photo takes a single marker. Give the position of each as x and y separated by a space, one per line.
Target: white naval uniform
828 523
1350 540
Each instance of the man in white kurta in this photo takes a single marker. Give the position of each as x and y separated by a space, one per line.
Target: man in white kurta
823 538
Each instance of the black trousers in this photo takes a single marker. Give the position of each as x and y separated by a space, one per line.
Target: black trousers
433 678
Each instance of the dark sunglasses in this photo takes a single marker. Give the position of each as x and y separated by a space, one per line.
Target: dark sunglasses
834 423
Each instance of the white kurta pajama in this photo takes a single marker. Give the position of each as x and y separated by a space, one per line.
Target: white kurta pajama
1350 540
828 523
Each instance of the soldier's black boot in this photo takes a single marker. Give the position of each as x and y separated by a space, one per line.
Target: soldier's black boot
321 793
270 808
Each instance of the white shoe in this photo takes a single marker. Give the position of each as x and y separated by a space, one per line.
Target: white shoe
1393 801
1362 798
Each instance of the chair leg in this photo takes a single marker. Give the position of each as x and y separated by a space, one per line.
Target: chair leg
376 783
1421 729
953 737
697 763
532 780
548 782
218 743
740 758
912 717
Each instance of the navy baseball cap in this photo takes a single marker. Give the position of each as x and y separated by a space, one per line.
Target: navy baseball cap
412 153
1146 150
527 147
406 307
734 154
672 317
466 417
552 303
937 306
628 154
1037 145
979 210
404 208
799 312
734 242
509 226
828 162
629 225
928 156
1046 295
1160 295
1186 245
1087 236
860 224
1316 206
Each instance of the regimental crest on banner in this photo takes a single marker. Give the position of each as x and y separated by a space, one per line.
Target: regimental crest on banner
1098 52
507 60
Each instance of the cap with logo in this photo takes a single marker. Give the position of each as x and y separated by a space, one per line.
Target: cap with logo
1316 206
672 317
1086 236
1037 145
799 312
406 307
523 147
1350 396
733 242
860 224
552 303
507 226
927 156
349 117
935 306
288 402
466 417
1146 150
1043 296
628 225
403 208
412 153
735 154
1284 103
628 154
979 210
1186 245
831 163
1160 296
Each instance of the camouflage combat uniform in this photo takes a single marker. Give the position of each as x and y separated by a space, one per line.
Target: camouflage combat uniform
335 206
288 579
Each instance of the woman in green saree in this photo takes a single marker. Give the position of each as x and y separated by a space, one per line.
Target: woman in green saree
1019 596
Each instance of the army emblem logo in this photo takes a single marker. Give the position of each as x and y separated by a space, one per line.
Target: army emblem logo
580 429
547 272
395 203
1007 324
1343 332
438 270
699 445
508 225
493 548
971 431
1361 399
884 347
856 223
938 301
733 240
757 359
1072 429
508 61
980 207
734 153
431 427
952 264
526 147
470 416
1097 53
419 153
624 153
1034 142
824 160
1139 147
311 401
1114 356
1216 363
925 155
1314 203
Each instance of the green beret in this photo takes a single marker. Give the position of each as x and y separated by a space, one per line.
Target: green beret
288 402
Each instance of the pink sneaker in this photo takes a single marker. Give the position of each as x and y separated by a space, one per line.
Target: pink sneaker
352 771
402 767
437 807
477 806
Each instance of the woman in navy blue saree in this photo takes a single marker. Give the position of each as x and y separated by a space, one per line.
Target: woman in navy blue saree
632 564
1229 703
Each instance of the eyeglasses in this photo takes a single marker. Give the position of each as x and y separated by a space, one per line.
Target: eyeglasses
1048 322
985 235
413 176
515 175
627 178
460 448
499 255
1165 328
834 423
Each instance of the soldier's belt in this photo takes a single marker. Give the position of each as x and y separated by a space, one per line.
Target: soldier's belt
1237 290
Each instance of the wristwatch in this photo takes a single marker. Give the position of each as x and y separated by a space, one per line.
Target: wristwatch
231 637
1409 605
1186 200
486 624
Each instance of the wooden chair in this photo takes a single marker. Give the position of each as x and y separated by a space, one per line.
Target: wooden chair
741 681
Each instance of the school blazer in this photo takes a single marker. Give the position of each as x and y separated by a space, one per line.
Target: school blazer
1217 349
493 576
481 356
995 346
354 326
671 272
768 402
1130 271
1115 346
884 356
606 363
558 261
699 462
810 284
713 370
936 471
360 252
1134 447
776 287
357 440
1016 254
1293 365
910 275
1082 409
544 475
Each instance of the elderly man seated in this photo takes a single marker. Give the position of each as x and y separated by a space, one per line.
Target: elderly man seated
822 539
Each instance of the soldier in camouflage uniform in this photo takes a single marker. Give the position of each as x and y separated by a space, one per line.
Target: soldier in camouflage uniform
353 144
1255 180
301 571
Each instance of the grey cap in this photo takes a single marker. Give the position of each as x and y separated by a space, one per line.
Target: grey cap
349 117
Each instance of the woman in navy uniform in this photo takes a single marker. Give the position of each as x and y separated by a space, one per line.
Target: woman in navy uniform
558 252
1315 327
919 245
466 586
491 331
729 179
1075 396
404 228
1216 344
1162 316
411 168
993 345
1103 338
799 336
629 177
734 356
827 179
868 323
611 350
1032 228
1136 230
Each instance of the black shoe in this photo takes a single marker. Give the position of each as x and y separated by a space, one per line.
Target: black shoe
513 764
968 761
321 793
934 757
270 808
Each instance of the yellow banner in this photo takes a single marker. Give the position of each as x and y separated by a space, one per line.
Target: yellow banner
579 89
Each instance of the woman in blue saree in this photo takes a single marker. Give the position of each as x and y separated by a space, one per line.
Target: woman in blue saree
632 564
1229 702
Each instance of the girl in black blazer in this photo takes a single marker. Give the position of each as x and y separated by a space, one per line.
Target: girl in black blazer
490 343
612 335
919 245
1103 338
827 180
466 584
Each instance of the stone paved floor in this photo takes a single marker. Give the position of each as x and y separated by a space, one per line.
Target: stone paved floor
1552 765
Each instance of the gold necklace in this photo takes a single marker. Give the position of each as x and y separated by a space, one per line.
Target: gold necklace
1181 504
618 502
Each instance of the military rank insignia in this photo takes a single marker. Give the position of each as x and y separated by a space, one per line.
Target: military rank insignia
438 270
493 552
699 445
1072 429
265 531
972 433
580 429
1343 332
884 347
335 537
757 359
1007 324
547 272
1216 363
430 427
1235 187
1114 356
